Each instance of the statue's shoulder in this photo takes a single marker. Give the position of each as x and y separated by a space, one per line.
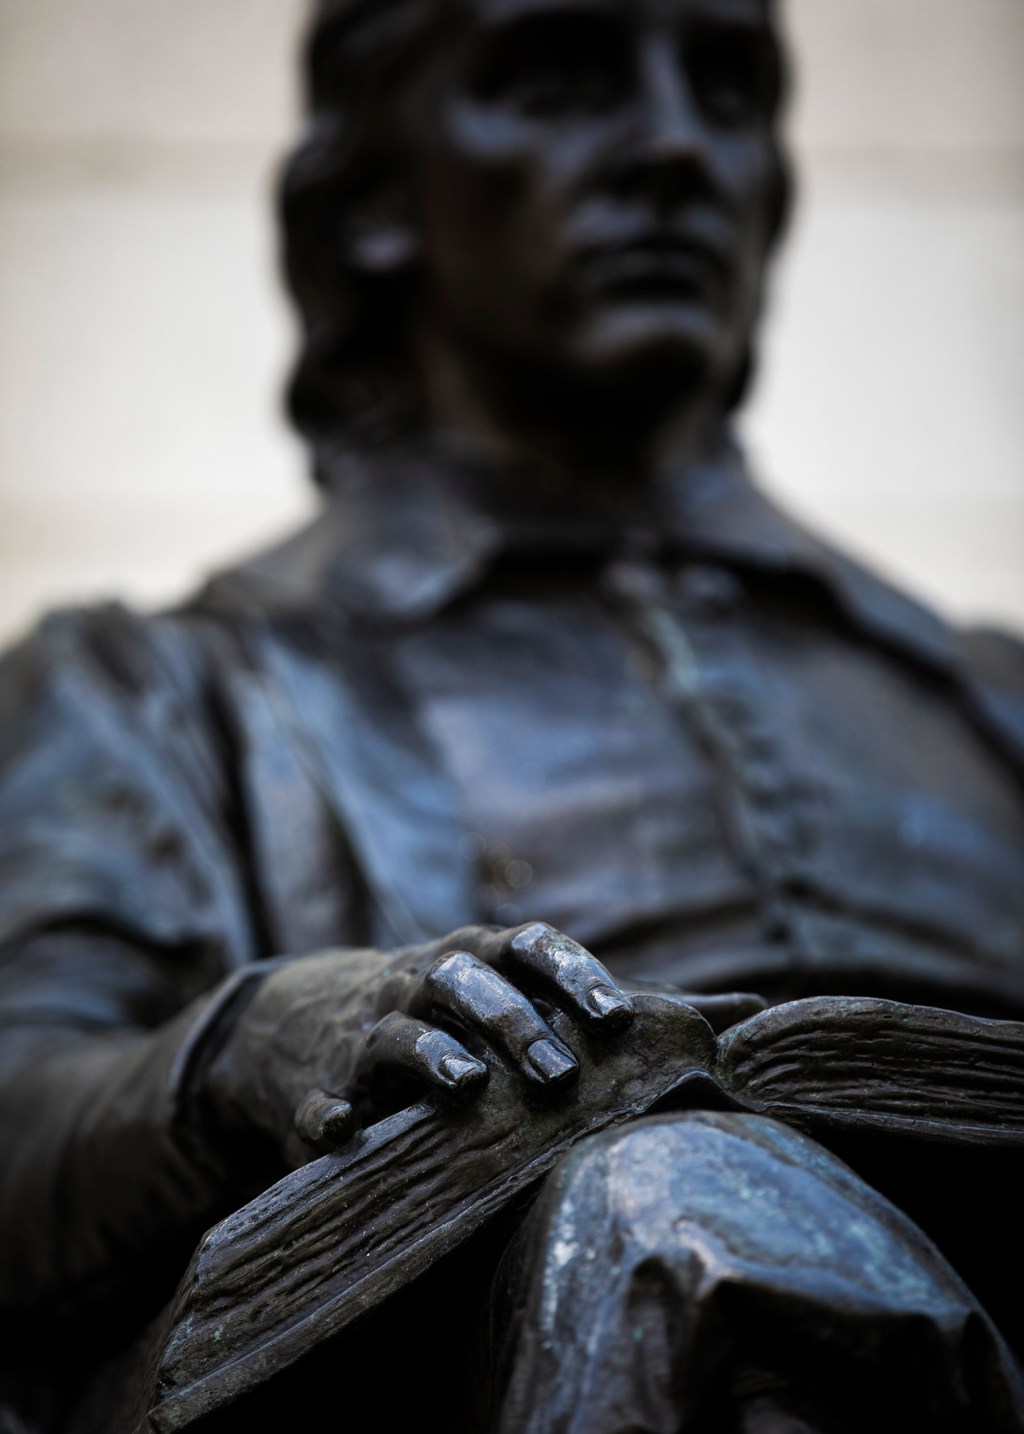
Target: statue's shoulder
86 679
291 582
996 656
992 663
985 663
889 613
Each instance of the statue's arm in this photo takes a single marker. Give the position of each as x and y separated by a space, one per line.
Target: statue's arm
101 1184
111 943
145 1090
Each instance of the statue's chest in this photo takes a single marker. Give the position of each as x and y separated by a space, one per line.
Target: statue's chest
697 777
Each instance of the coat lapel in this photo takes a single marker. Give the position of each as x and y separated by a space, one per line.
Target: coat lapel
374 766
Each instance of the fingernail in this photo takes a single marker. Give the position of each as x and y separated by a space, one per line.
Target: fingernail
337 1123
612 1008
462 1069
550 1062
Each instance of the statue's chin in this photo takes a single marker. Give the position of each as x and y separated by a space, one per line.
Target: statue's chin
681 342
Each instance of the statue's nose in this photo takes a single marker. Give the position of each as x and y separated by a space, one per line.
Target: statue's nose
670 139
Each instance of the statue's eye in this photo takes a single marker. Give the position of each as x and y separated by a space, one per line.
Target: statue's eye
554 68
732 79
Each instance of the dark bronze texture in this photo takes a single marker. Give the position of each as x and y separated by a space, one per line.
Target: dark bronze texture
553 820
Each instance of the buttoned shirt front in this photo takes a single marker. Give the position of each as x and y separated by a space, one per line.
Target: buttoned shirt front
698 740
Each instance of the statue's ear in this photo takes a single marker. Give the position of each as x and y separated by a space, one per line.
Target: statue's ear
383 237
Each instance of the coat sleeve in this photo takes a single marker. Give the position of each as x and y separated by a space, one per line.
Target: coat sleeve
121 909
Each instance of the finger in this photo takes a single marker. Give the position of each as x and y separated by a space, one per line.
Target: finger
405 1045
461 986
325 1120
541 956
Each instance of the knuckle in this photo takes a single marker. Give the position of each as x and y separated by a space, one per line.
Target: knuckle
383 1031
466 939
397 991
525 939
445 973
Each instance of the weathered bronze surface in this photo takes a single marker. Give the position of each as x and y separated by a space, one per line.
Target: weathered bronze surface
285 872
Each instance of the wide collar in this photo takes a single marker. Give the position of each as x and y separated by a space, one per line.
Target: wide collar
396 549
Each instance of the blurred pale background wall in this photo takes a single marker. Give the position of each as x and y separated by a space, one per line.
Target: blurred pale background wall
143 341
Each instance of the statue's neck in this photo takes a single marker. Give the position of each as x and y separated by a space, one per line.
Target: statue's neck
591 433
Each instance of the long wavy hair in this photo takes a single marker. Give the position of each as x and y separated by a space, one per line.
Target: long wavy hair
354 386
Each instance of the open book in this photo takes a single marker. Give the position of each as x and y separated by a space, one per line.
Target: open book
332 1240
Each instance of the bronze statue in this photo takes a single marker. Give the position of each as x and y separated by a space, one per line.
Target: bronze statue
548 725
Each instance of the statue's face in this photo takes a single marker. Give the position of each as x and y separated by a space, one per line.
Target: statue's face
597 180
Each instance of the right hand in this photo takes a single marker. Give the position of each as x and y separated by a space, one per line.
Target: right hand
327 1036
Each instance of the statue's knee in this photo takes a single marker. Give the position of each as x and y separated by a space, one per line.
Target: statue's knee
723 1265
656 1171
699 1134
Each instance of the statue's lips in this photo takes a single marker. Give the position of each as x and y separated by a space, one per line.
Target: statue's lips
653 265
